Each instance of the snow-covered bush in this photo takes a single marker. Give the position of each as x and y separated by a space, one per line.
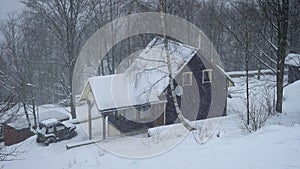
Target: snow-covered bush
261 107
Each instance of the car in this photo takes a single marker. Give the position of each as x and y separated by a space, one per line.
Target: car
67 102
51 130
64 102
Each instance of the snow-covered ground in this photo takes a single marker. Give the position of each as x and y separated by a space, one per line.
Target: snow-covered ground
277 145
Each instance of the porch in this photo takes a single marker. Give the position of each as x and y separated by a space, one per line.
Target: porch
124 121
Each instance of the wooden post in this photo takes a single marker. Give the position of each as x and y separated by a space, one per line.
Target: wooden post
164 113
138 115
90 118
104 125
107 127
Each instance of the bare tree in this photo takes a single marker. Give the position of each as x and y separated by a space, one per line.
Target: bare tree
18 75
294 26
9 108
68 21
277 12
272 29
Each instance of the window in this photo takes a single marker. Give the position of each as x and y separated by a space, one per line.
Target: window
60 126
50 129
187 78
206 75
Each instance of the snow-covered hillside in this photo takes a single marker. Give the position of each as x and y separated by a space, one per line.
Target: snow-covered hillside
276 146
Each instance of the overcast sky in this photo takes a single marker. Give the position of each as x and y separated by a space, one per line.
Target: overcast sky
9 6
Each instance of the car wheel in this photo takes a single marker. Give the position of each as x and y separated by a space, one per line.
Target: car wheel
38 140
49 140
73 133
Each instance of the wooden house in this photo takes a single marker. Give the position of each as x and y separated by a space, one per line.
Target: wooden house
293 62
140 98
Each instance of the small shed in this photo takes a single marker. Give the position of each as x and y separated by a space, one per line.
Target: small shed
16 131
293 62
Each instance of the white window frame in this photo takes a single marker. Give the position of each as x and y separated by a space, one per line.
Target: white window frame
189 76
209 71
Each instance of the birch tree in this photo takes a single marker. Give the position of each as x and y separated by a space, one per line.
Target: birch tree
182 119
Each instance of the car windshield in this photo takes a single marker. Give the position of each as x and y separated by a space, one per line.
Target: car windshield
50 129
41 125
42 129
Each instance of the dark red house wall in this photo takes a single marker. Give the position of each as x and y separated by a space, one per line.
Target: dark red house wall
13 136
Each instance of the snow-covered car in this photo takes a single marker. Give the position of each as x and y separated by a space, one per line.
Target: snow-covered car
64 102
67 102
52 130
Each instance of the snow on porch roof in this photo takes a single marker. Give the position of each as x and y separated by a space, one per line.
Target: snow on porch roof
113 92
143 82
293 59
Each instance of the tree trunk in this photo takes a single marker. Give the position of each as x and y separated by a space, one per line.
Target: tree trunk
72 97
282 22
247 87
113 52
182 119
34 113
26 114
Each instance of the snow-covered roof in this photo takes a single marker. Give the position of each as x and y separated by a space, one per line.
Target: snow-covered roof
231 82
144 80
293 59
21 122
59 115
49 121
68 124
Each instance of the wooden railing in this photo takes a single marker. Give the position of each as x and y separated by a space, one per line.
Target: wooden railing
125 125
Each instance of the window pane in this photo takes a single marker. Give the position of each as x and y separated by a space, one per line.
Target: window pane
187 78
206 76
